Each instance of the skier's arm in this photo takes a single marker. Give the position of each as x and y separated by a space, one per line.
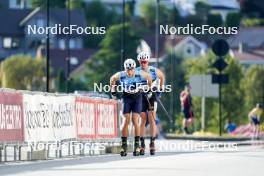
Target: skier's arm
113 80
161 77
147 77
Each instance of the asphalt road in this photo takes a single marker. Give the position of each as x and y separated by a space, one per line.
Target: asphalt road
242 161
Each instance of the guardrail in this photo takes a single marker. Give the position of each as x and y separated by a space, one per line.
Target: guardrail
30 119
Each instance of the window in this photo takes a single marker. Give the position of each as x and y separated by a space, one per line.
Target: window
72 44
74 61
62 44
7 42
189 50
15 43
40 22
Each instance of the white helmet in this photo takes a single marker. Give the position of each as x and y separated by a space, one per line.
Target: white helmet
143 56
129 64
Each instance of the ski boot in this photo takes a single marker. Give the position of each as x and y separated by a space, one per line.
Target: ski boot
142 146
136 148
123 151
152 148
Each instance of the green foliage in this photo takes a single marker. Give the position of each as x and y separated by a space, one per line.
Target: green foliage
233 19
74 4
22 72
61 81
107 60
233 93
250 22
52 3
76 84
99 16
174 73
148 13
131 6
196 20
174 17
252 8
214 20
202 9
254 86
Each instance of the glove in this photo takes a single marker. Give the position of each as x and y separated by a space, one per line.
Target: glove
149 94
114 95
158 94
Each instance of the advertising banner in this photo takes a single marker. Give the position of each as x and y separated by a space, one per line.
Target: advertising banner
11 116
49 118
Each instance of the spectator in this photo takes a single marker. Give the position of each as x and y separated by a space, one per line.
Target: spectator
230 126
254 119
186 107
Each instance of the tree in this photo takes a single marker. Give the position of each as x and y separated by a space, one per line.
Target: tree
148 13
233 19
107 60
175 17
254 86
193 19
214 20
52 3
74 4
98 15
202 9
22 72
174 75
252 8
233 92
61 81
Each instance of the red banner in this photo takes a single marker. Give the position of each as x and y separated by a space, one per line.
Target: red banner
106 118
11 116
95 118
85 111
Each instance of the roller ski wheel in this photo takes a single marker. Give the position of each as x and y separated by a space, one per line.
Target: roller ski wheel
142 151
123 152
136 152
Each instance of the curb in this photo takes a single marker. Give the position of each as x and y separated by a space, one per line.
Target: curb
205 138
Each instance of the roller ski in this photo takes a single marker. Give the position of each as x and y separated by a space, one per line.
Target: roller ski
136 149
123 151
152 148
142 147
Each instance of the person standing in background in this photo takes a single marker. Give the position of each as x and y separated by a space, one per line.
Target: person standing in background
186 107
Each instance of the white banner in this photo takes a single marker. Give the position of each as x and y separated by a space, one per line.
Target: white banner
48 118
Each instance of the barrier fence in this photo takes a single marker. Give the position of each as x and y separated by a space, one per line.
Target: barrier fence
37 117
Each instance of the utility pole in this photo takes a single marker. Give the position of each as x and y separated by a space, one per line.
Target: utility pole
157 33
68 58
47 49
123 36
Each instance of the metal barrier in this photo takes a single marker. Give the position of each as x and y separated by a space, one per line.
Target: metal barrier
17 107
